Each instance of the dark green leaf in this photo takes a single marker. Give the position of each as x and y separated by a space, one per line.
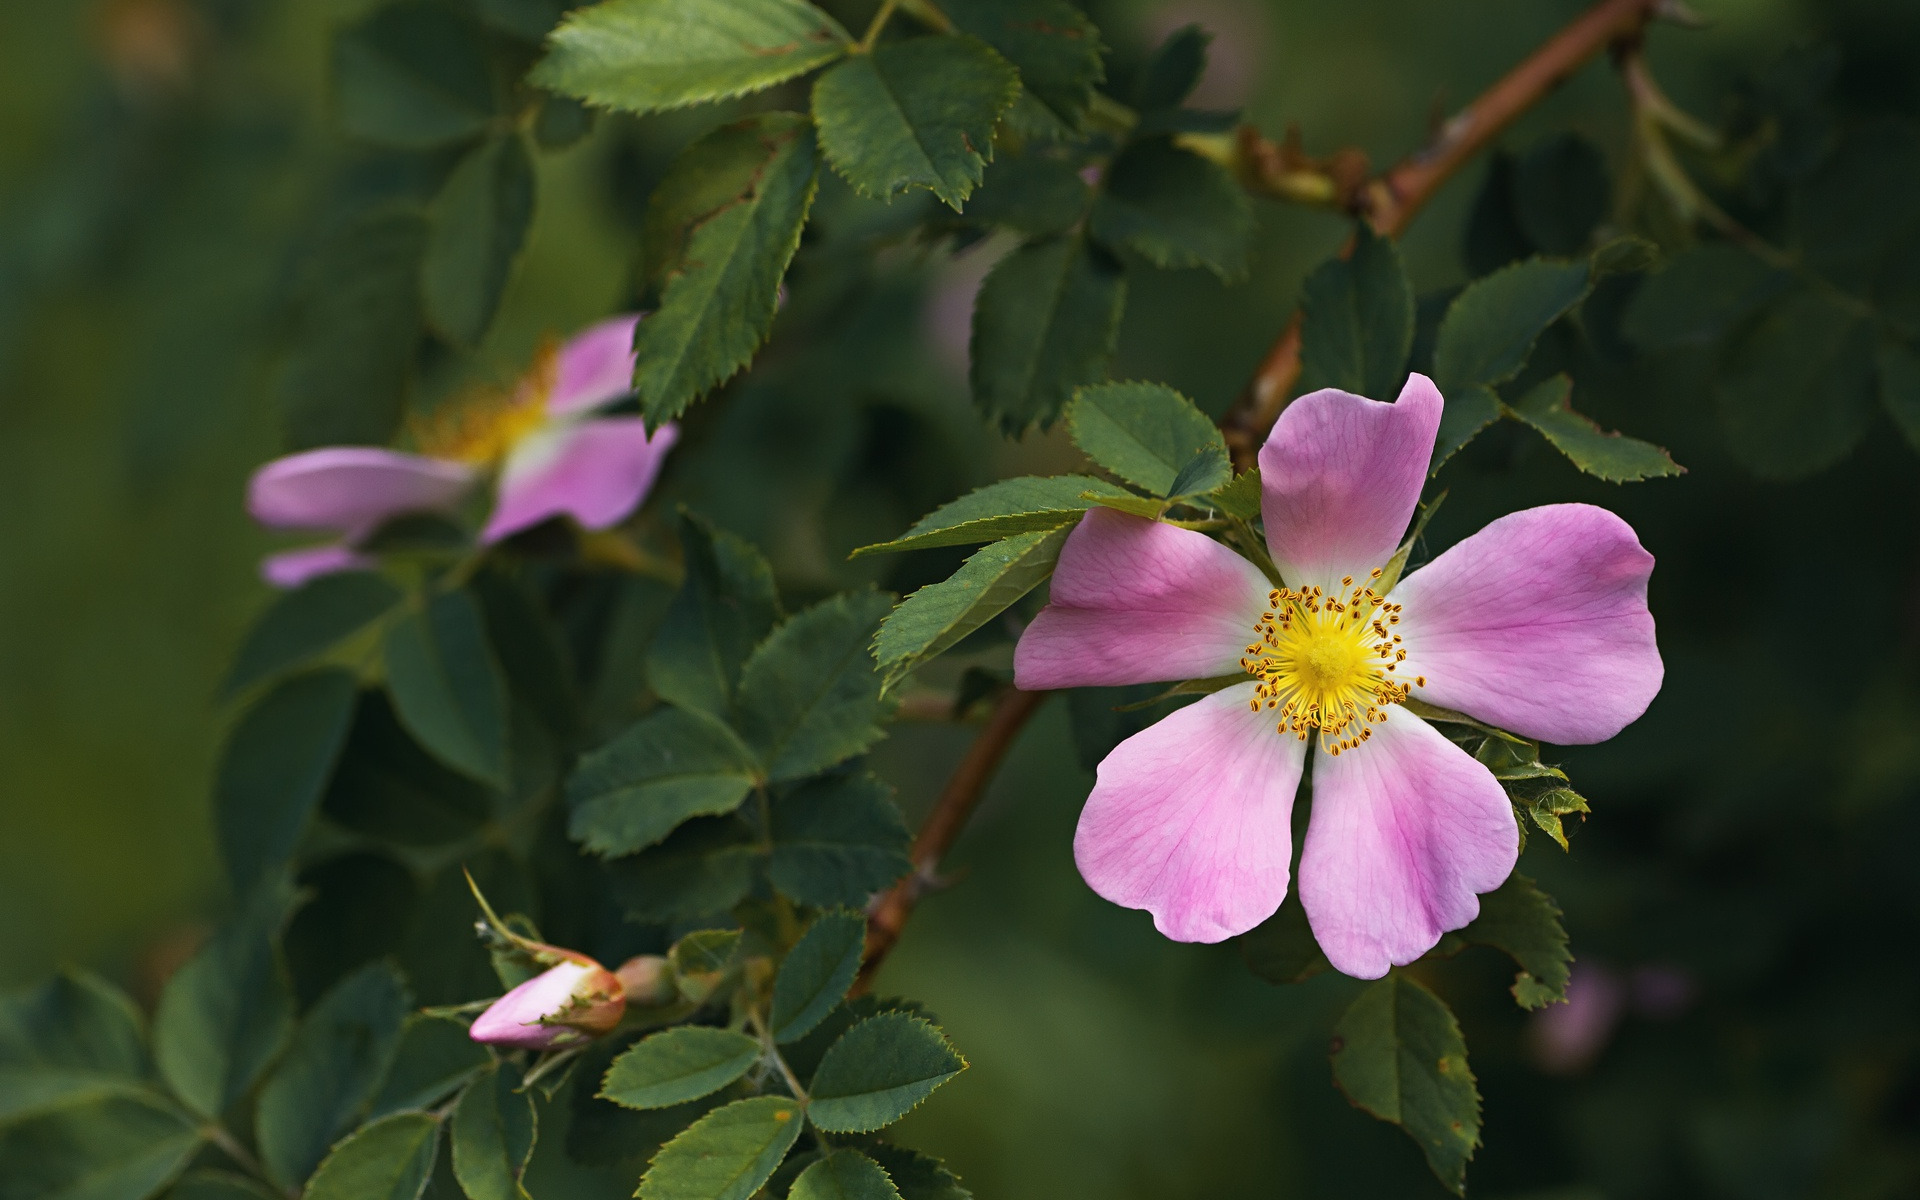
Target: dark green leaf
447 687
669 767
1031 193
844 1175
1605 455
706 867
1489 330
1846 228
1796 385
815 975
725 607
1239 498
1399 1055
1175 209
939 615
274 769
435 1058
109 1150
338 1056
1560 193
480 221
678 1065
562 122
1282 949
308 622
809 696
1056 49
492 1135
702 959
72 1039
1699 295
1358 320
1174 70
879 1071
1044 326
390 1159
28 1092
387 787
838 841
413 75
531 651
727 1154
918 1176
1024 505
205 1184
529 19
1523 921
1147 434
1468 410
914 113
804 1056
1900 387
647 55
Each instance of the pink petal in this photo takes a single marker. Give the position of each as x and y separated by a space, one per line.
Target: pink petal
1341 475
293 568
595 366
529 1017
1406 831
353 489
1538 624
1139 601
594 471
1189 819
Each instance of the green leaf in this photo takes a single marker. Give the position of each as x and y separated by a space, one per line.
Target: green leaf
669 767
1796 385
1468 410
914 113
1548 809
435 1058
1900 387
413 75
74 1022
815 975
879 1071
1358 320
725 607
727 1154
1170 76
109 1150
225 1014
1399 1055
492 1135
1240 498
389 1159
702 959
307 622
274 769
447 687
1605 455
939 615
707 866
1489 330
647 55
719 302
204 1184
533 655
678 1065
385 786
1700 294
1282 948
1023 505
358 322
809 696
918 1176
844 1175
1034 194
1175 209
1524 922
1132 505
836 841
1055 47
480 221
1147 434
1560 193
338 1056
27 1092
528 19
1044 325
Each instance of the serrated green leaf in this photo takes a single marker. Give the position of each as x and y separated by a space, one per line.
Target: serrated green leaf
1055 47
386 786
413 75
707 866
448 689
434 1059
1175 209
274 769
1468 410
879 1071
668 768
1044 325
1358 318
809 696
1033 193
1239 498
1604 455
338 1055
480 222
844 1175
492 1135
815 975
1548 809
678 1065
918 1176
1795 386
914 113
1025 505
109 1150
647 55
725 607
1148 434
937 616
1132 505
1900 387
719 304
1489 330
307 622
1399 1055
727 1154
836 841
1524 922
389 1159
1282 949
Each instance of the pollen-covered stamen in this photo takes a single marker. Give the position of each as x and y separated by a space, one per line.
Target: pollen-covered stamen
1326 662
483 426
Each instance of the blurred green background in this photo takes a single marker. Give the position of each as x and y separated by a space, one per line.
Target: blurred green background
1747 894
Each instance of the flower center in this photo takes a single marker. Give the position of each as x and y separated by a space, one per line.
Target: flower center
482 428
1326 662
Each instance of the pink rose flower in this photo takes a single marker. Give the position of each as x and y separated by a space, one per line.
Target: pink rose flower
569 1002
1537 624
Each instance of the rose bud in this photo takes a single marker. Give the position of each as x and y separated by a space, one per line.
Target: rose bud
568 1003
647 980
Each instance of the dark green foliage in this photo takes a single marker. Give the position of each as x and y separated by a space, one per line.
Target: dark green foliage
816 973
305 623
1699 294
1796 385
1523 921
413 74
480 221
447 686
1398 1054
809 696
726 606
1560 192
1151 436
938 616
1034 194
1055 47
844 1175
837 840
1025 505
727 1154
1175 209
434 1058
678 1065
1281 949
1044 326
1604 455
389 1159
879 1071
1170 76
1358 314
673 765
276 765
492 1135
387 787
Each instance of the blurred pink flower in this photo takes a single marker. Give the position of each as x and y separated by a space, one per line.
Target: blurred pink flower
1567 1038
1538 624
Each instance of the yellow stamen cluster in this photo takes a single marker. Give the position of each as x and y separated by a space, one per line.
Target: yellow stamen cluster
1325 662
483 426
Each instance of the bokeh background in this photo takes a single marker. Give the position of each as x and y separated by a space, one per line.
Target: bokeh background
1744 902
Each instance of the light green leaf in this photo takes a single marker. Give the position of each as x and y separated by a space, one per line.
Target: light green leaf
914 113
1900 387
918 1176
435 1058
492 1135
390 1159
448 689
678 1065
1240 498
838 840
809 696
727 1154
1549 809
1399 1055
1044 325
1148 434
1358 320
1796 385
274 769
1489 330
308 622
1132 505
725 607
413 75
939 615
844 1175
815 975
646 55
1175 209
671 766
480 221
1524 922
879 1071
1024 505
1605 455
1055 47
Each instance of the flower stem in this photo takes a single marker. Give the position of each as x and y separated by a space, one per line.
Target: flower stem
874 27
773 1052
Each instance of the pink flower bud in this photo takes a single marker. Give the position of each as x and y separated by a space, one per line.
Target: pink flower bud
571 1002
647 980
